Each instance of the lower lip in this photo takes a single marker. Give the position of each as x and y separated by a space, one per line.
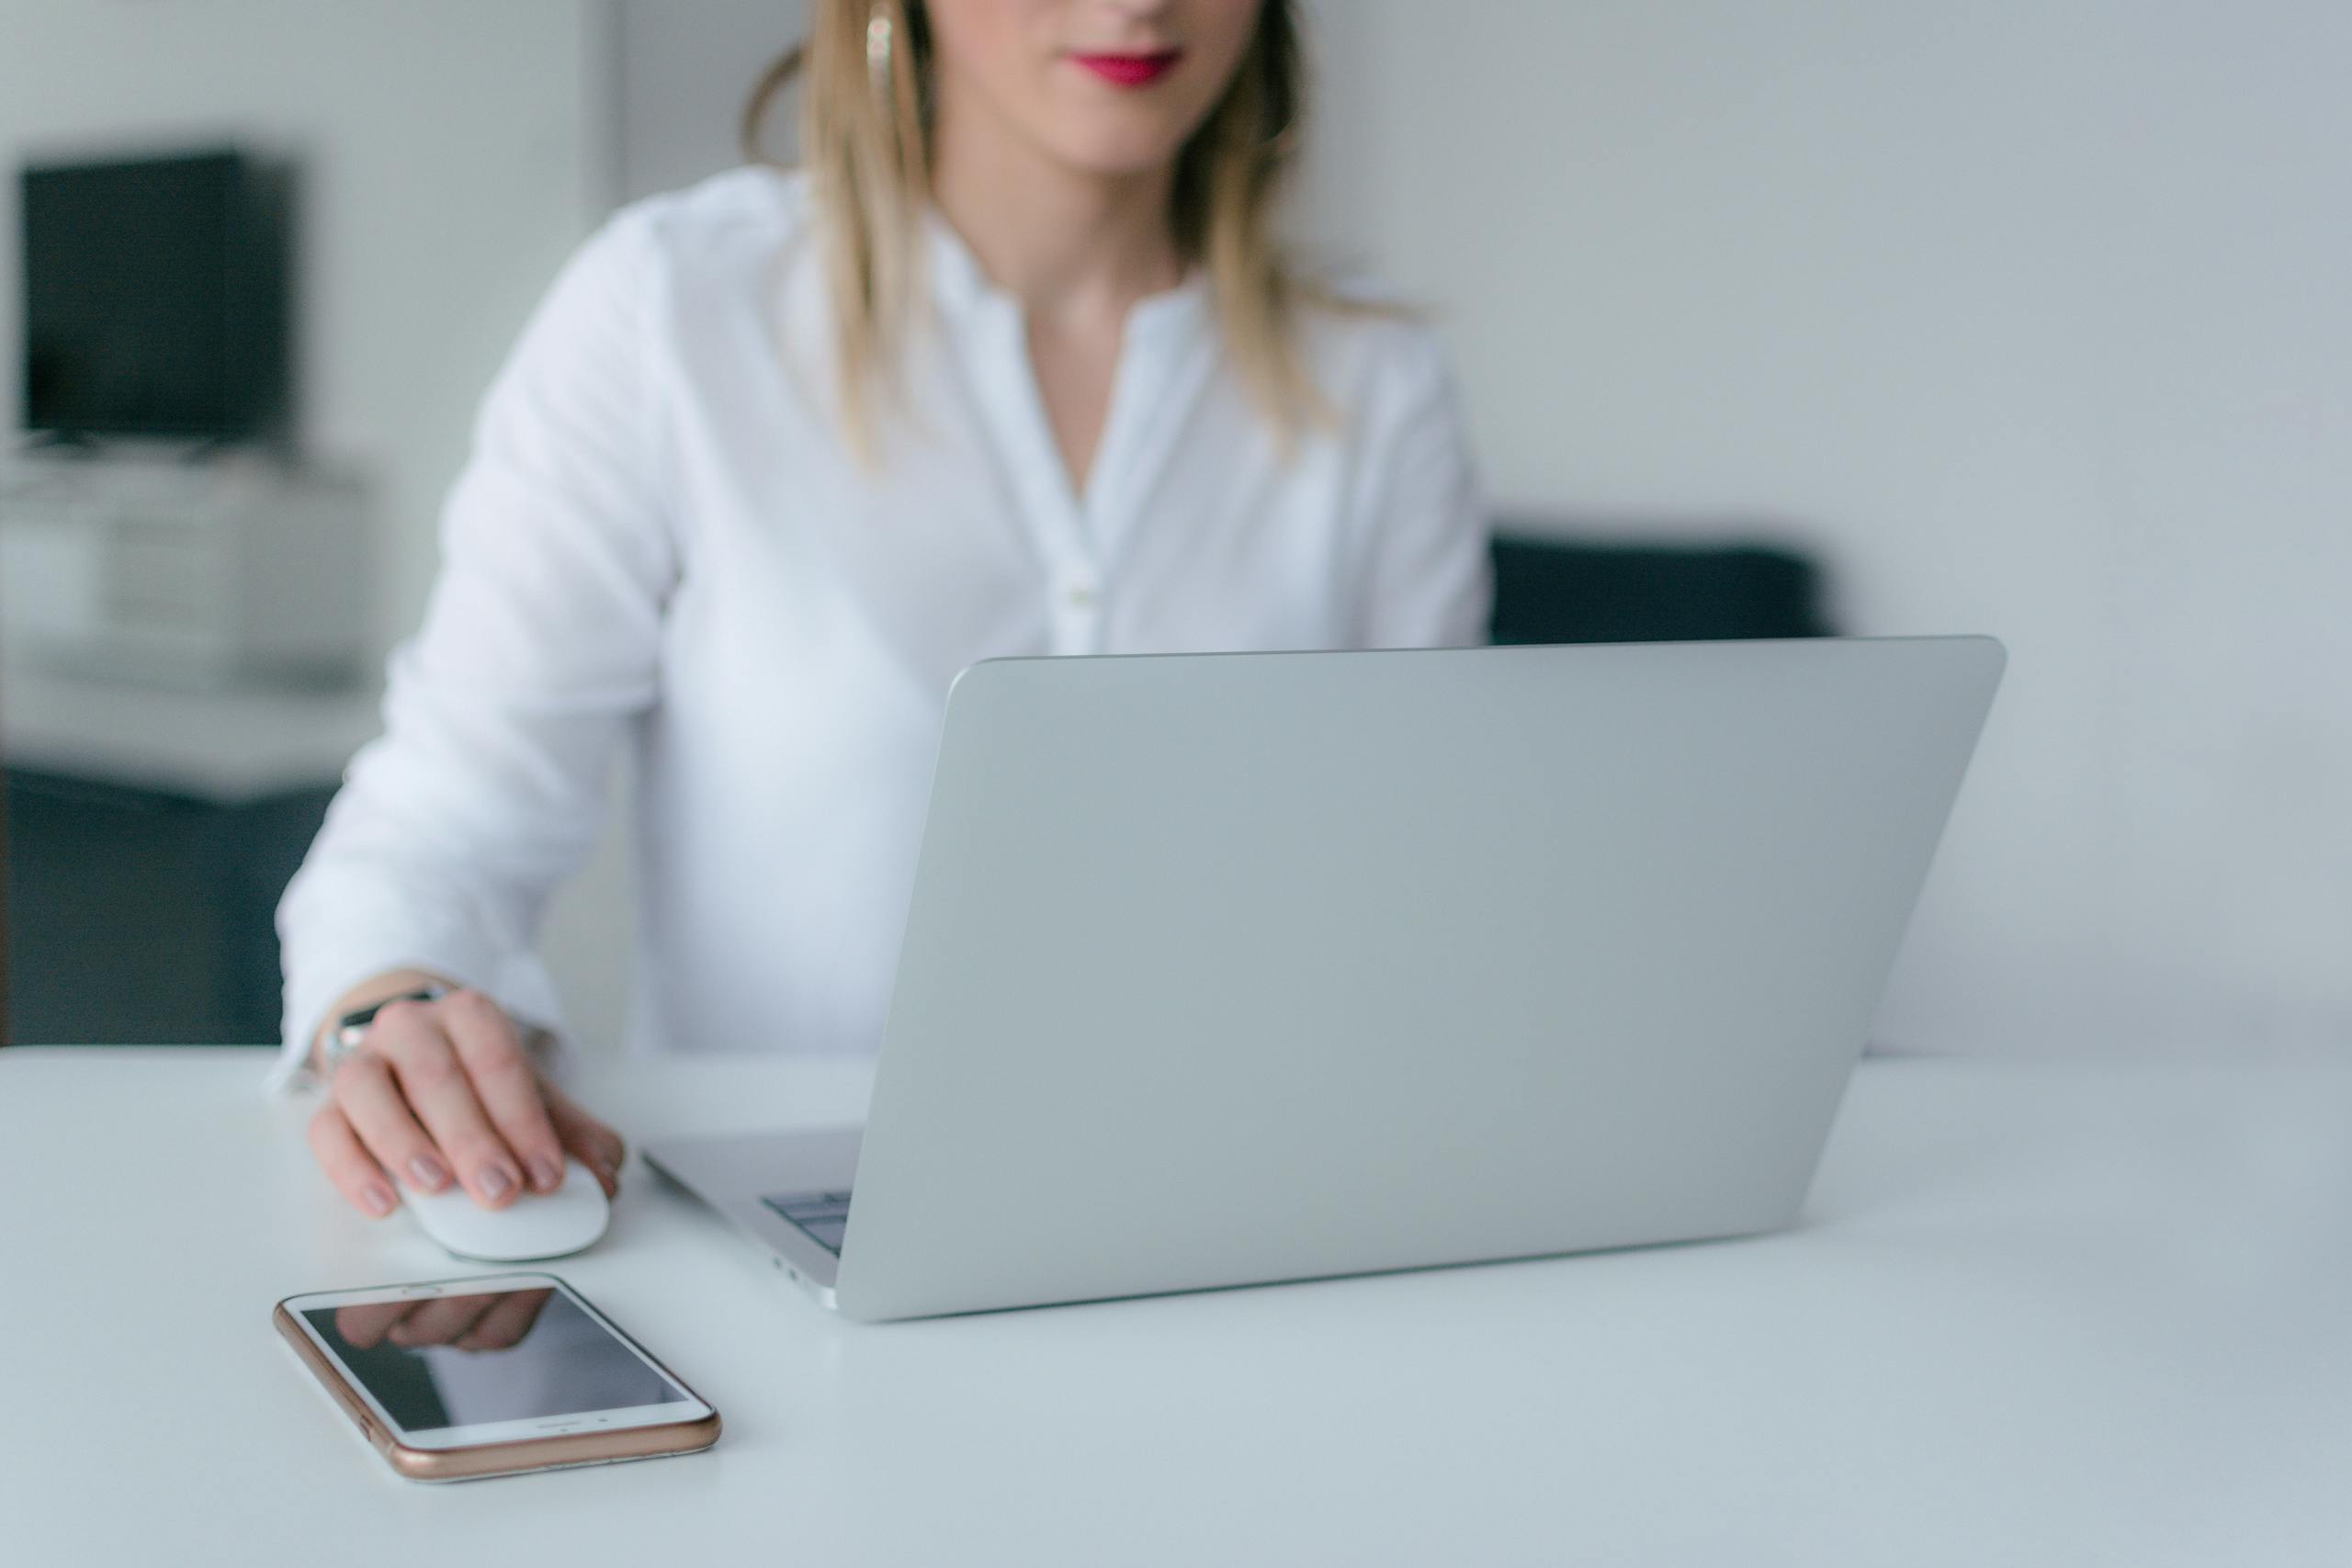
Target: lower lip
1128 70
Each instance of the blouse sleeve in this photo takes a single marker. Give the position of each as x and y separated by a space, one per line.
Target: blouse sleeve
1428 581
540 647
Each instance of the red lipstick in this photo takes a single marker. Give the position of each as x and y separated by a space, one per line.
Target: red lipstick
1131 70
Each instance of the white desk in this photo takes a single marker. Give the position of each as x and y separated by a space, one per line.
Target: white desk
2061 1314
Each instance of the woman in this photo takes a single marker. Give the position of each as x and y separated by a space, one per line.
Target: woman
1012 366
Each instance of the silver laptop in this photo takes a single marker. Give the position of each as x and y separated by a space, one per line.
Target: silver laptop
1224 969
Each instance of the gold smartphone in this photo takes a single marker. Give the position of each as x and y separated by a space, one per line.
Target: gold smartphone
455 1379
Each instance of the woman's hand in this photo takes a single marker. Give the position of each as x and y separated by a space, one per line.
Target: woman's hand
447 1090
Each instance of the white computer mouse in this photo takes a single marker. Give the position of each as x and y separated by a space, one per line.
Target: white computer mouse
536 1225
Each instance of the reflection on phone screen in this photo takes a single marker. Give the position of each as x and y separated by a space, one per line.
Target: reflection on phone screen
503 1356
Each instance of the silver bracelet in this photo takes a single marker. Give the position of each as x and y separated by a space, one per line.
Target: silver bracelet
350 1030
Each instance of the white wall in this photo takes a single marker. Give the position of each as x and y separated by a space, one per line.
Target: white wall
684 75
2035 315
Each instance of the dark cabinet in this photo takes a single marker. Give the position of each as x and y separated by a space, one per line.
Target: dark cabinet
139 917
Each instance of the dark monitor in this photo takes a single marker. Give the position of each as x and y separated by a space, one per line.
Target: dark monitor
156 297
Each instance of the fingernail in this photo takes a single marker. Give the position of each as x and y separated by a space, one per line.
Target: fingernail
378 1199
430 1173
495 1179
545 1175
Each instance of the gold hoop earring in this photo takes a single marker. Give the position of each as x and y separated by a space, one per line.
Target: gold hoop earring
877 50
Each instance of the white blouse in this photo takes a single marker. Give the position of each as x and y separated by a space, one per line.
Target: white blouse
662 547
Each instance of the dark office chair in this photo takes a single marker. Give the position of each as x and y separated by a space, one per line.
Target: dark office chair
1559 587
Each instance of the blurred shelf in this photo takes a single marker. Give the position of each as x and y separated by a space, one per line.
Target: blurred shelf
227 747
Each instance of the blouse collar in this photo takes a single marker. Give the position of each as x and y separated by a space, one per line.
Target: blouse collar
963 291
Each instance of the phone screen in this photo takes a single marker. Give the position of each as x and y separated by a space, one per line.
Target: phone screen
466 1360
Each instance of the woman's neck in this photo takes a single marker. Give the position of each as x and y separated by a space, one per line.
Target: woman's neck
1060 240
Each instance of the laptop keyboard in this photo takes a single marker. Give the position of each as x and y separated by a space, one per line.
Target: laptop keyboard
821 1216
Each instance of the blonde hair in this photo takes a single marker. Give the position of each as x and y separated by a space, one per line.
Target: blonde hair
864 139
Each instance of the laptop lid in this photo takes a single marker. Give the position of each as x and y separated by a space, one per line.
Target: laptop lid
1224 969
